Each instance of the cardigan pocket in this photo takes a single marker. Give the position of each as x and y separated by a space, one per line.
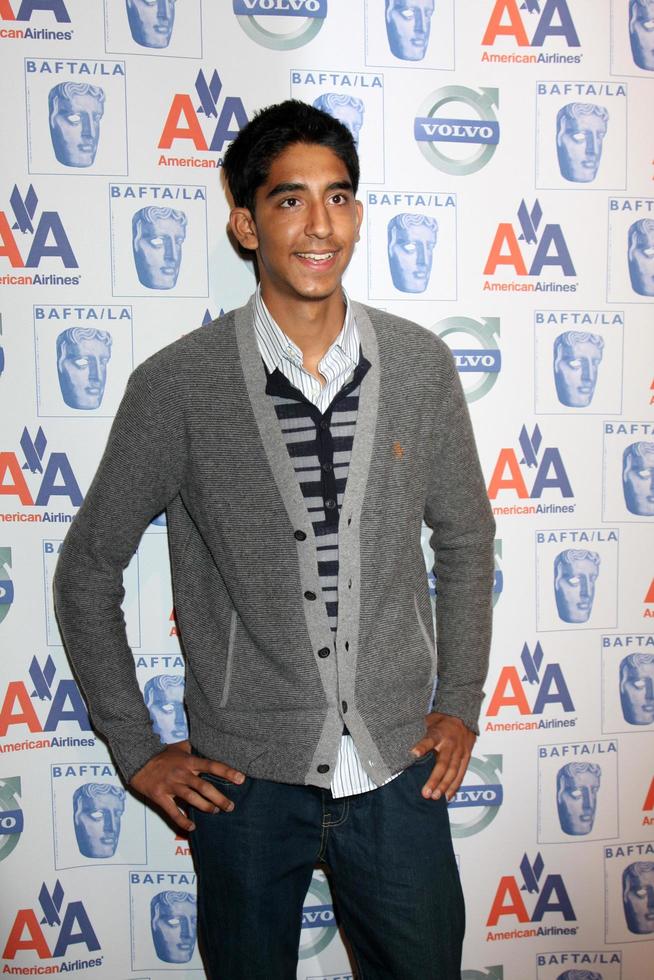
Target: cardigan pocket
429 643
230 658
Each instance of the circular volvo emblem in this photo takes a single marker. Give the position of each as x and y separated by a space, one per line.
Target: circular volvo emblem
471 142
298 21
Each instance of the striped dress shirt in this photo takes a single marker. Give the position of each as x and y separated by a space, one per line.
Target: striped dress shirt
338 368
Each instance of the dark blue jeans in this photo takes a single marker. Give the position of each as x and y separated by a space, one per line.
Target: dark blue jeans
390 864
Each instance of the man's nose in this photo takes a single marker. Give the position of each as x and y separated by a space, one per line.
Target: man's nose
319 223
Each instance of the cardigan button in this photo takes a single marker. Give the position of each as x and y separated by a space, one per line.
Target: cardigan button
323 768
309 595
324 652
299 536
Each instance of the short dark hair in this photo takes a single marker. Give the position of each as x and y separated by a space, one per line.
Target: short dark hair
248 160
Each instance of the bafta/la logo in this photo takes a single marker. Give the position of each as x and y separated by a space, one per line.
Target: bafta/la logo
222 120
65 926
551 891
317 918
24 11
543 246
539 685
480 363
55 475
58 700
479 801
549 471
11 815
498 577
44 238
6 584
435 129
284 36
548 18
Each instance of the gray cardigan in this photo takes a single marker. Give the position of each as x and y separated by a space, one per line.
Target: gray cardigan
266 684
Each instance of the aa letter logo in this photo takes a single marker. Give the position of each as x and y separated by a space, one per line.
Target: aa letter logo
205 123
577 792
27 237
162 28
629 892
11 815
42 706
533 24
76 117
14 14
475 350
281 24
477 802
49 474
6 583
457 130
410 33
524 252
57 927
513 473
577 579
528 902
529 694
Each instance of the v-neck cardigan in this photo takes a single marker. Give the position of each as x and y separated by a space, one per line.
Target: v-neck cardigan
196 434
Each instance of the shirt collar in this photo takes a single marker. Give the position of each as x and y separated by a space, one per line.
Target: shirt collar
275 346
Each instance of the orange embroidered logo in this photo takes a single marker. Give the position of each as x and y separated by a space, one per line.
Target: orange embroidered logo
398 450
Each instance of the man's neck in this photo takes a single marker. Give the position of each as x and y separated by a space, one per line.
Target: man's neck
313 325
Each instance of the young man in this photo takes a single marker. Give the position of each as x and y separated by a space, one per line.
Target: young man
297 445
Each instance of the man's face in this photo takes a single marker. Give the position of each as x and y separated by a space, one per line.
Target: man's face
574 589
637 692
638 898
410 256
83 373
641 260
158 252
579 147
638 482
576 800
306 223
352 117
167 713
408 24
174 930
97 824
75 129
151 21
575 372
641 33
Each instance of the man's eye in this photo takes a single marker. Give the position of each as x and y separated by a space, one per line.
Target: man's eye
289 202
339 199
74 117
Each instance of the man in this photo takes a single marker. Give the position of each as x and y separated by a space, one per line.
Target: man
297 445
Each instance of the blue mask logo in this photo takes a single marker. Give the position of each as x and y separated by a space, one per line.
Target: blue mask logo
151 22
579 975
83 354
576 361
640 256
164 699
408 26
434 130
638 897
411 240
580 131
75 111
477 803
158 235
6 584
479 365
637 688
638 478
348 109
11 815
173 924
577 786
641 18
575 575
97 812
288 35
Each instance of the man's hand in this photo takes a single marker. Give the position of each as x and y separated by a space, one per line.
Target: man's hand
452 741
174 774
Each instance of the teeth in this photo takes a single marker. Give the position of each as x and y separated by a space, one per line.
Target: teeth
316 258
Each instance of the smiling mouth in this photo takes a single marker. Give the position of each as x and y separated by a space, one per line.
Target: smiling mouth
317 260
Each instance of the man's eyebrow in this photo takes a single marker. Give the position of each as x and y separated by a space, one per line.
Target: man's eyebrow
290 187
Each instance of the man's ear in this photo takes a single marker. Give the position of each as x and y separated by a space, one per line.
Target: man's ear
244 228
359 209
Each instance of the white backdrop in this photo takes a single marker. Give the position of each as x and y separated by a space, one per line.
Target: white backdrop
517 137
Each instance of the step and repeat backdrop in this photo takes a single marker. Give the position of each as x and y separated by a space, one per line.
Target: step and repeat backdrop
507 164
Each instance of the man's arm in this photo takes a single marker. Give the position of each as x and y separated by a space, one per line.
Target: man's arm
141 471
459 513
